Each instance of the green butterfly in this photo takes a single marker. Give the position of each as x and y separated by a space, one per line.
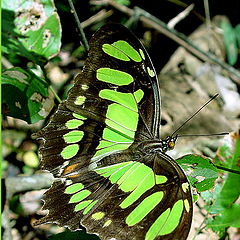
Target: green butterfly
103 144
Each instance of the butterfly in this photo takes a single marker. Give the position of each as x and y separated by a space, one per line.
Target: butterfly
103 146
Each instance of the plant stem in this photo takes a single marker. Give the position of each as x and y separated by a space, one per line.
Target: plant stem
55 94
82 34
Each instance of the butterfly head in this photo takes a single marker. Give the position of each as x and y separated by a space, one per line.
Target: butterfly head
161 145
170 142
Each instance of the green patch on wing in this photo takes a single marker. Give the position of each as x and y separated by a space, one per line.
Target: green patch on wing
145 207
79 194
113 76
132 177
122 50
69 151
124 99
121 120
79 116
73 123
74 188
73 136
78 197
166 222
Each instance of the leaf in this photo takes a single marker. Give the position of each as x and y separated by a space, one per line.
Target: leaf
230 41
31 29
24 95
200 171
123 2
224 155
228 218
237 32
210 196
229 192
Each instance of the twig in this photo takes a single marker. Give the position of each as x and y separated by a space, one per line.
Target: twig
180 38
97 17
184 5
82 34
21 184
27 183
207 13
55 94
172 23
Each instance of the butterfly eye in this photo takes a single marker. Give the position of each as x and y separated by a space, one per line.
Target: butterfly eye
171 144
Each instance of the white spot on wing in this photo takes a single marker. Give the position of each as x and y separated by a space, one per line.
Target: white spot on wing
185 187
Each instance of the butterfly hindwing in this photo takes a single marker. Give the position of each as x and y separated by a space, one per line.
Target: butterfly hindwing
128 200
92 143
143 206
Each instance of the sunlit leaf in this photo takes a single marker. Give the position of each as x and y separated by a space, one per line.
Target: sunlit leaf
229 217
200 171
24 95
230 191
31 29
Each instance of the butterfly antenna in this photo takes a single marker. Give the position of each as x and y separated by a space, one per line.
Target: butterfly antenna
204 105
204 135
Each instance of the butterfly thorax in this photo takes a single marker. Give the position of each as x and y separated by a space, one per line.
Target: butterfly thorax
158 145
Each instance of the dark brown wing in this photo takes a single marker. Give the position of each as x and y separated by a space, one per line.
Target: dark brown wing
88 109
138 204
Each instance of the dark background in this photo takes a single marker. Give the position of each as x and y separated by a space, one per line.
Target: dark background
162 9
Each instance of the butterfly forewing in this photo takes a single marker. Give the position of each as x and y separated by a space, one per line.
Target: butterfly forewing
107 182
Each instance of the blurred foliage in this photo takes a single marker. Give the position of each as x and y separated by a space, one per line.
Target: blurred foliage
231 37
222 201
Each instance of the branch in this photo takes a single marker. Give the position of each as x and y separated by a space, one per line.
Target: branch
82 34
27 183
172 23
98 17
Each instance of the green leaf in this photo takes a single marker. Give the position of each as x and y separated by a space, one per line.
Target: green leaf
210 196
237 32
223 156
31 29
229 192
230 41
24 95
229 217
200 171
123 2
